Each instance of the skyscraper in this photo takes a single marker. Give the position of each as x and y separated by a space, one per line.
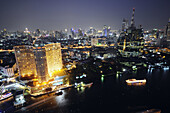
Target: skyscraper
91 31
106 30
41 64
40 61
130 43
124 24
25 60
54 57
72 32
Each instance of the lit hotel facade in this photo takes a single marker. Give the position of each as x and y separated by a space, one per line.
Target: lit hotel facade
54 57
25 60
40 61
41 64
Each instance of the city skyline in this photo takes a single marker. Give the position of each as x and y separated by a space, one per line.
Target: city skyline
61 14
84 56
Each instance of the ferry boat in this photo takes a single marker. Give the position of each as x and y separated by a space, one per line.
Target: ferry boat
5 95
136 82
78 85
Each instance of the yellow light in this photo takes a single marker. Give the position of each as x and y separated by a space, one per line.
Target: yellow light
44 83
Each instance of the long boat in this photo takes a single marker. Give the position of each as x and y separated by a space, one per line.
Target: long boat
136 82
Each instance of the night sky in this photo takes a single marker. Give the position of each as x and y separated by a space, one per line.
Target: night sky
61 14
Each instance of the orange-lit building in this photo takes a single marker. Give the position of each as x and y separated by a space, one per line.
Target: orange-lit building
54 57
25 60
40 61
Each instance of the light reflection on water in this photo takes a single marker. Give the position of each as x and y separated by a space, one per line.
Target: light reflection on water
107 89
61 98
81 89
102 79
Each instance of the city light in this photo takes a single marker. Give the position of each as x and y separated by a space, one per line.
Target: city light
52 60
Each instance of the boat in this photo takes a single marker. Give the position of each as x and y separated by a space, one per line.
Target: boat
78 85
59 92
19 100
5 95
136 82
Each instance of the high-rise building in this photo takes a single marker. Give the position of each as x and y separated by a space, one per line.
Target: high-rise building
41 64
91 31
106 30
131 42
80 32
25 60
54 57
73 32
37 32
124 24
41 61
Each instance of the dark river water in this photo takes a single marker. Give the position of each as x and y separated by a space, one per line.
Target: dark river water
109 94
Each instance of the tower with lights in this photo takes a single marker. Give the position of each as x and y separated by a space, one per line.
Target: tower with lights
131 42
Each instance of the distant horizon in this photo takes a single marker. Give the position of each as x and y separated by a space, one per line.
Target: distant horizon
72 27
65 14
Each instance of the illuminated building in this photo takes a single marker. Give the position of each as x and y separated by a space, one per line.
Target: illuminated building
26 32
42 61
131 42
124 24
80 32
94 41
91 31
7 70
25 60
38 32
54 57
106 30
41 64
73 32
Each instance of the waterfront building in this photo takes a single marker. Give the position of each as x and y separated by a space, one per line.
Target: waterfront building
42 61
41 64
25 60
54 57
